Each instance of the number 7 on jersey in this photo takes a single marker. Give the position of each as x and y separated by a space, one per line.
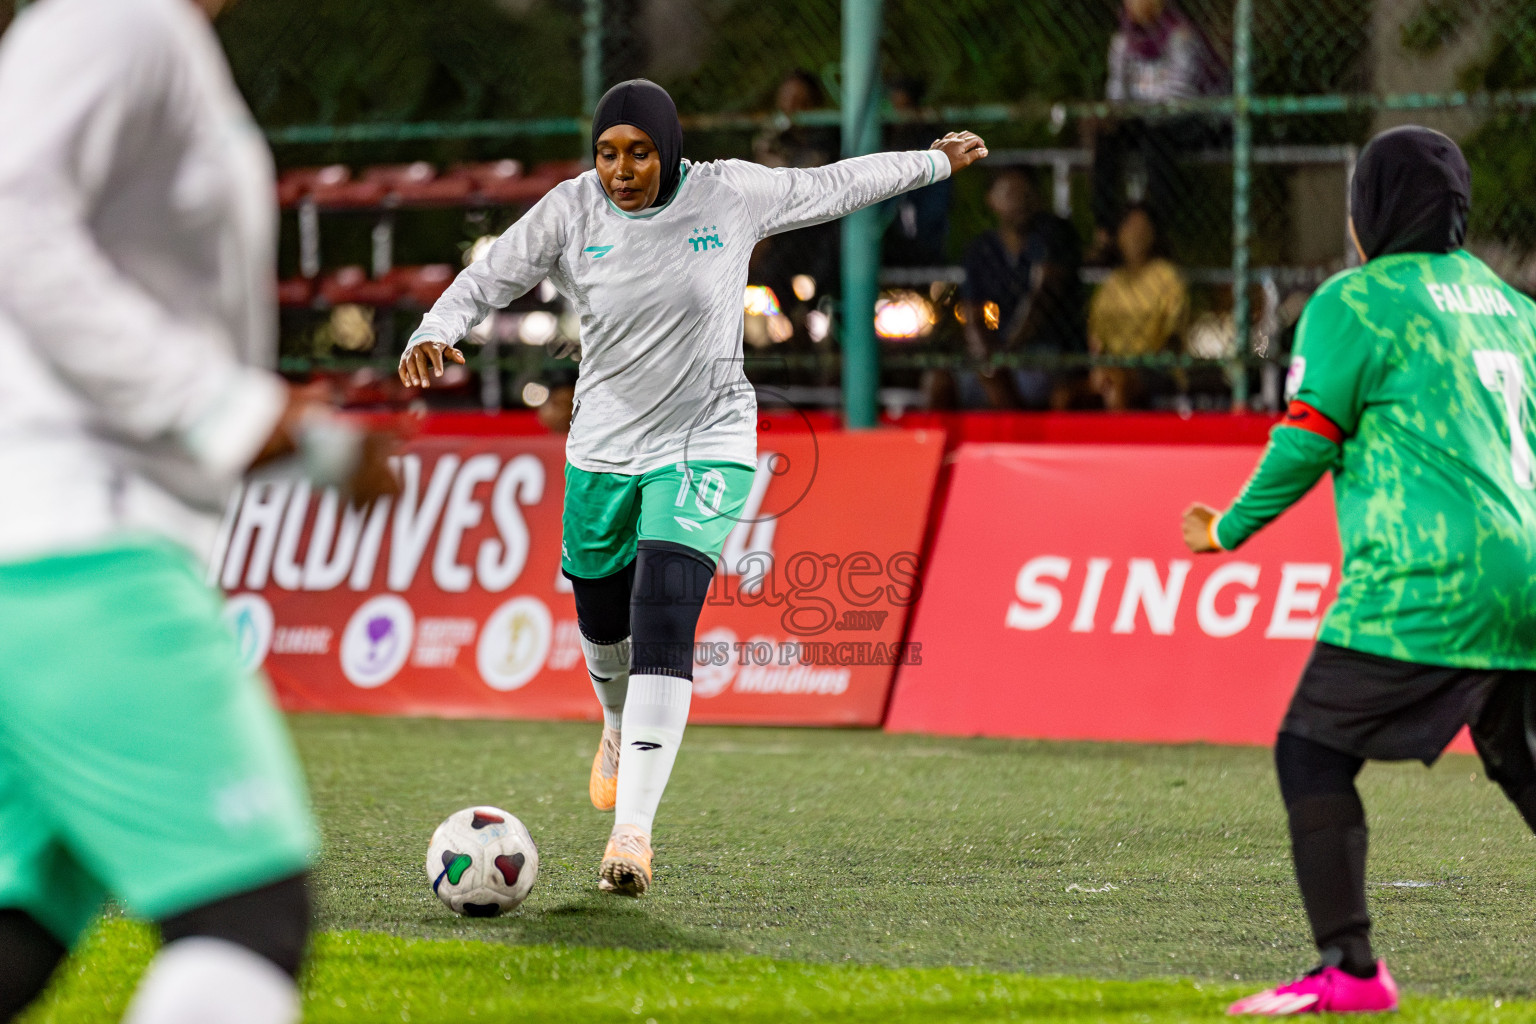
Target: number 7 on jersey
1502 374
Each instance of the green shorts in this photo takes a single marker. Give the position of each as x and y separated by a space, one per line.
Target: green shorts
138 758
694 505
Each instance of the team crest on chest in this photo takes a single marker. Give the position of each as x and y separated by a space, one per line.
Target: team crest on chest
705 239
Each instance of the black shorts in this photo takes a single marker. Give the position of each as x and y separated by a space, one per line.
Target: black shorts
1381 709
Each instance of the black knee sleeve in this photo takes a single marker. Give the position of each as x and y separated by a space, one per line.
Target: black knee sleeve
602 605
28 955
1328 845
1505 735
272 921
671 583
1311 769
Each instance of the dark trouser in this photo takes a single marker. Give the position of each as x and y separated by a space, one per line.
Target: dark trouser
272 921
1328 737
1160 144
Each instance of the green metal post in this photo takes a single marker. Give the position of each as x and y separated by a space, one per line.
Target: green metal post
861 230
1242 157
591 55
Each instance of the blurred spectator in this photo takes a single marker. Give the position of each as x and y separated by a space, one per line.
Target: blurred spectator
1021 294
1140 310
781 142
558 406
808 257
349 327
1157 55
918 234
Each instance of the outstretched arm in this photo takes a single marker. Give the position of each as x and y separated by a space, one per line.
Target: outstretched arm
786 198
1294 460
521 258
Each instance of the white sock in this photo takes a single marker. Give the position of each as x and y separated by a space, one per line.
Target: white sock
608 667
210 981
654 717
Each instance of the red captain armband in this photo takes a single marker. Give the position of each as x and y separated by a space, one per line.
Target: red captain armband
1304 417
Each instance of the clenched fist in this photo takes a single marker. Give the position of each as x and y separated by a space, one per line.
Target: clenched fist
1198 533
962 148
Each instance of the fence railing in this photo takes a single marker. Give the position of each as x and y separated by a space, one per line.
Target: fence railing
1260 220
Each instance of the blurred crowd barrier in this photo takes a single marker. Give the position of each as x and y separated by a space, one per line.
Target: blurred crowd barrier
449 601
1167 182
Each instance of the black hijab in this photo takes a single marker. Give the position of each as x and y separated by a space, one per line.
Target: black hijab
646 106
1411 193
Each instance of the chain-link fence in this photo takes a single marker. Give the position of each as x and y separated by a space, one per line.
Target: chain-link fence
1227 129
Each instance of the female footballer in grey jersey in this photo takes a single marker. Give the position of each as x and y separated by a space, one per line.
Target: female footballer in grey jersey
652 250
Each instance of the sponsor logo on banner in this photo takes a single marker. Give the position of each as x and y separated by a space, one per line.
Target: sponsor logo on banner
272 537
1063 569
377 641
711 675
438 641
448 598
1151 597
776 667
303 640
770 665
249 617
514 643
565 653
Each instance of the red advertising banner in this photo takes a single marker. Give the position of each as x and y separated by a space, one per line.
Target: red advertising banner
1060 601
448 601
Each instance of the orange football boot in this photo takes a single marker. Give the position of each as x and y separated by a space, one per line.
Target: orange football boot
603 785
626 869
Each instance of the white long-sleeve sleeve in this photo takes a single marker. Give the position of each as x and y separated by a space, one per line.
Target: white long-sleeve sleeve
138 314
786 198
659 294
520 258
87 91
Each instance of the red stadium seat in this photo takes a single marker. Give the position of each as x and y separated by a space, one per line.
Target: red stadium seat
489 175
498 183
518 192
395 175
421 286
297 183
451 189
560 170
352 284
335 189
295 291
502 182
418 184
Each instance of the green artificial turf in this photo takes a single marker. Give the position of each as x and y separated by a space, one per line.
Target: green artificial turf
796 867
358 976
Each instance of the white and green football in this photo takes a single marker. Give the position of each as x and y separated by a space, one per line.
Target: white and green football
482 862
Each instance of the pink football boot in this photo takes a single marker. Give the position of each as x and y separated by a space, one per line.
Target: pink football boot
1325 990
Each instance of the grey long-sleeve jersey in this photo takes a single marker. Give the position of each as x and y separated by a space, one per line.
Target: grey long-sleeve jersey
660 297
137 239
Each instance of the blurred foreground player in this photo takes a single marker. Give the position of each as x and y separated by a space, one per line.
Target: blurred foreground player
652 249
138 758
1413 382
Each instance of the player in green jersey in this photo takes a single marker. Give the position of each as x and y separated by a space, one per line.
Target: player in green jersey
1414 383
